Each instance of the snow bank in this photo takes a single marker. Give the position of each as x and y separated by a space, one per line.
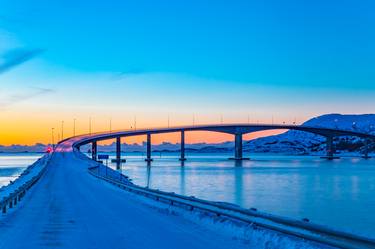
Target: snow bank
254 235
250 234
28 177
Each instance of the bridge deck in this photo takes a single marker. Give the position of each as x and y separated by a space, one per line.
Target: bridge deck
69 208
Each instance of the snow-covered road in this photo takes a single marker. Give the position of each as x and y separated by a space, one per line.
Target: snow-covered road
69 208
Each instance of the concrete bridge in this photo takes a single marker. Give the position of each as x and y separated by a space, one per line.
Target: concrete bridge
237 130
68 208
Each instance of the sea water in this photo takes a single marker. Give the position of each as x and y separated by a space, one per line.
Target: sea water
338 193
12 165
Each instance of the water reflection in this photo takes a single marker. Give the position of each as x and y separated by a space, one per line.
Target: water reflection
182 179
338 193
148 174
238 183
13 164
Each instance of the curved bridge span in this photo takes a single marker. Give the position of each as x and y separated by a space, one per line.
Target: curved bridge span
67 208
238 130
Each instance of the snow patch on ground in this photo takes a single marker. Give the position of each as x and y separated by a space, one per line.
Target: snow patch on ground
251 235
28 174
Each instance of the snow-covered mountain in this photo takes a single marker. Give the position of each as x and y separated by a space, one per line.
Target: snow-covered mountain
298 142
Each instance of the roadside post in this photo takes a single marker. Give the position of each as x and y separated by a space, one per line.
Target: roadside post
104 157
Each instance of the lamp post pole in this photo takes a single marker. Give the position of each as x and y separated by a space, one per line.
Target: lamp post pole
62 130
74 127
90 125
53 138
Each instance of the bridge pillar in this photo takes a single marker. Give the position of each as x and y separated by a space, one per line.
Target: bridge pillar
118 159
366 150
182 158
330 149
238 151
148 148
118 152
94 150
238 146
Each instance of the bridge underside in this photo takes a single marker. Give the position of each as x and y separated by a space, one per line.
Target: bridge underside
236 130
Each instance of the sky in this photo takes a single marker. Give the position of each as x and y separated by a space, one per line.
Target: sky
208 61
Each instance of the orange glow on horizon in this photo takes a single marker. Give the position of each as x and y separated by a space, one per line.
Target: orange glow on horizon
22 136
29 129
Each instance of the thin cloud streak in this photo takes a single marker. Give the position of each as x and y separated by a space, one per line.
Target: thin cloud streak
16 57
131 72
18 98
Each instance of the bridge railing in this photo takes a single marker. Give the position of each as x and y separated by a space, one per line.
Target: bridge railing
302 229
171 128
226 128
16 190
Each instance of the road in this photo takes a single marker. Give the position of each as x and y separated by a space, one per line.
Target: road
69 208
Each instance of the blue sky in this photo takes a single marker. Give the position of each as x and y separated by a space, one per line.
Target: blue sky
282 58
292 42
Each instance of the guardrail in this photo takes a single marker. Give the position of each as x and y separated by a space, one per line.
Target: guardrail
16 195
301 229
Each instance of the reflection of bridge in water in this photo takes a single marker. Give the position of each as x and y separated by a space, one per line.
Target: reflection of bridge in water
238 130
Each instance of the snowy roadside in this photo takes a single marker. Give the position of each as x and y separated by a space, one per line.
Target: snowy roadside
250 233
260 230
12 193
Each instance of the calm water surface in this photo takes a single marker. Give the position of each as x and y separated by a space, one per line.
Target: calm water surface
12 165
339 193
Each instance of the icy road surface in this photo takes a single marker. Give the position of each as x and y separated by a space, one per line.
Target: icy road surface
69 208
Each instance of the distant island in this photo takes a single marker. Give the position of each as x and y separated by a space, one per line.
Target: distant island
290 142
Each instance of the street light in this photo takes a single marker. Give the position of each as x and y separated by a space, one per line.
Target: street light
74 127
90 125
62 129
53 138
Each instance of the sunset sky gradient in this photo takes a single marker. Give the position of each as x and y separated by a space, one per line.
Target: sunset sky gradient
230 61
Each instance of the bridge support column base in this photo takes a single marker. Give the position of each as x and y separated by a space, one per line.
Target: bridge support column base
182 159
330 157
117 161
239 158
